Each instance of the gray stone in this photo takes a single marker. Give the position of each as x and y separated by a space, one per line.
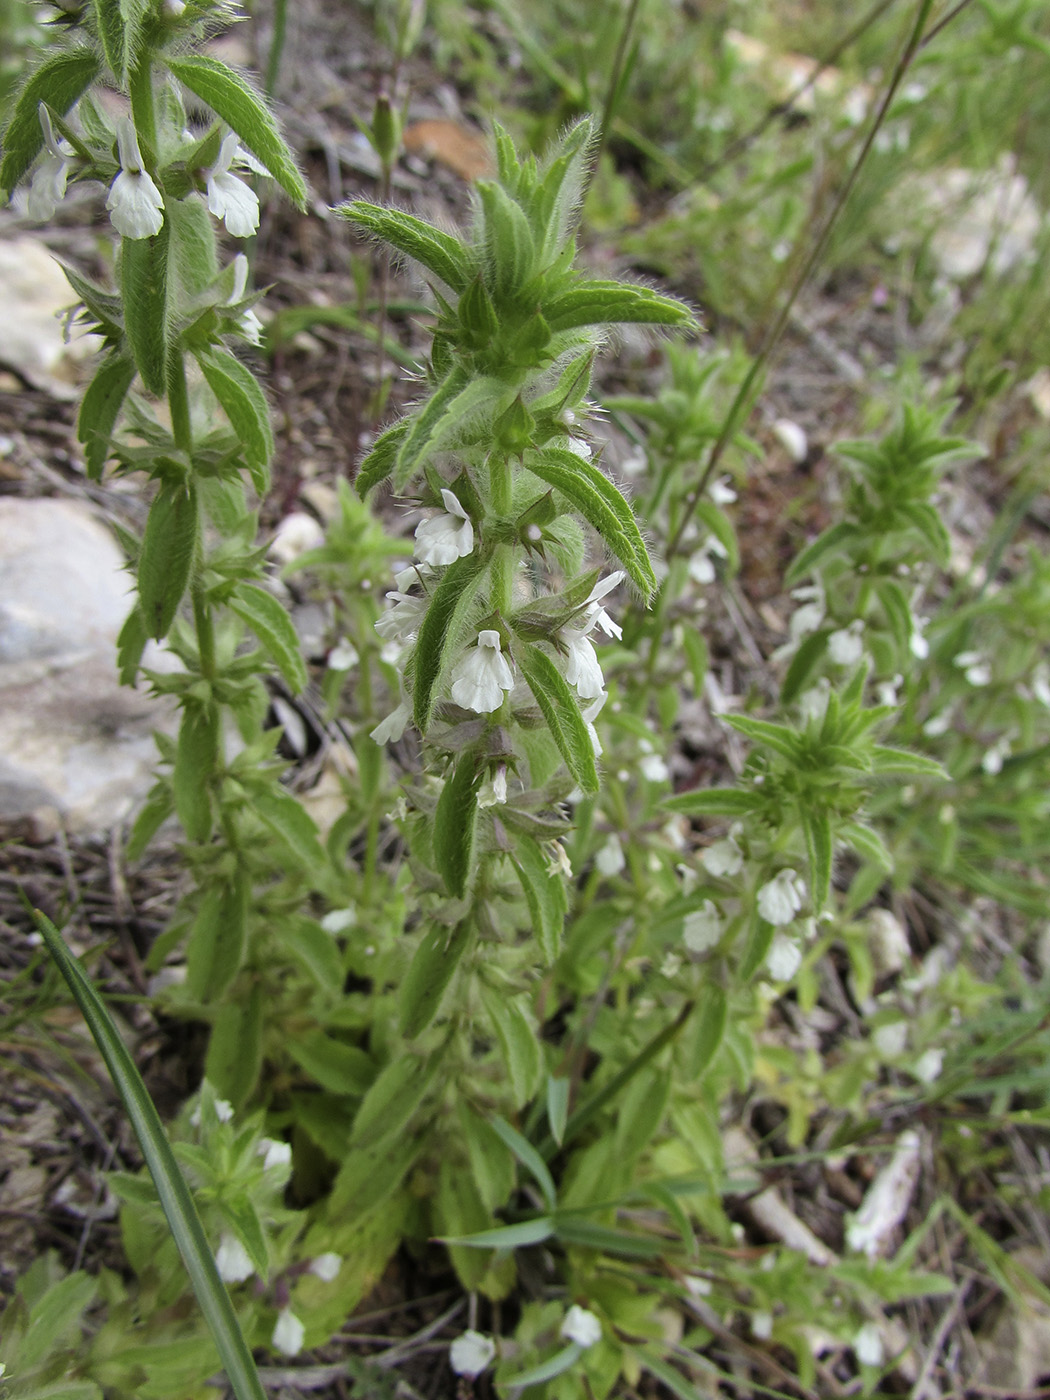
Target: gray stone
72 740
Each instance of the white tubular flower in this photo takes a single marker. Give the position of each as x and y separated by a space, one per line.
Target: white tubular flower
792 439
917 643
653 768
581 1326
232 1261
867 1346
288 1334
589 713
481 677
813 703
274 1153
48 187
784 958
248 323
389 730
928 1066
447 537
493 791
598 617
229 198
401 622
610 859
723 858
846 646
780 899
721 492
702 928
762 1326
974 667
470 1353
135 204
326 1267
810 615
581 664
701 564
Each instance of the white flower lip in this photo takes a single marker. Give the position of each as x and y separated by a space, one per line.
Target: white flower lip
232 1260
723 858
134 202
581 1326
326 1266
229 198
389 730
780 899
702 928
288 1334
470 1353
445 538
784 958
481 677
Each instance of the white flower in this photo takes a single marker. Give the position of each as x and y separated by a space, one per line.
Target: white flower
274 1153
581 664
610 859
792 438
559 862
810 615
781 898
846 647
343 656
581 1327
653 768
701 565
721 492
134 202
867 1345
589 713
917 643
481 677
928 1066
938 724
173 8
888 692
974 667
401 622
229 198
702 928
813 703
891 1039
296 533
248 323
493 791
723 858
232 1261
994 757
223 1112
698 1287
471 1353
447 537
389 730
326 1266
48 187
596 616
337 921
784 958
288 1334
762 1326
1041 683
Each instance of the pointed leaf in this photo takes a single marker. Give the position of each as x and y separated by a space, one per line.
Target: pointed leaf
831 541
244 404
557 1106
602 505
100 409
562 714
529 1158
196 756
271 623
244 110
715 802
339 1068
234 1055
506 1236
143 291
166 560
595 303
778 737
455 823
433 966
518 1042
289 819
59 81
379 463
440 253
544 894
217 939
393 1098
440 633
889 760
819 847
175 1198
457 401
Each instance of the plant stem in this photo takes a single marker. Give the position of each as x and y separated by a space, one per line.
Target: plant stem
273 59
205 630
179 404
609 110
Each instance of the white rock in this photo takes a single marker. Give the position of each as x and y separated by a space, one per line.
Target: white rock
33 295
71 738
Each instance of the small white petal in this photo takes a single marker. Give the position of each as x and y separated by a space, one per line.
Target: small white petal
781 898
702 928
232 1261
447 537
481 677
723 858
846 647
274 1153
721 492
337 921
326 1266
232 201
470 1353
891 1039
792 438
48 188
389 730
654 769
928 1066
581 664
135 205
762 1326
867 1345
784 958
223 1110
581 1326
288 1334
610 859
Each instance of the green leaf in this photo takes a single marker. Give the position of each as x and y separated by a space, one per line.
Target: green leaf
446 257
131 643
506 1236
890 760
54 1318
143 292
508 248
243 1218
708 1029
518 1042
757 950
455 823
931 527
289 819
244 110
715 802
820 849
316 950
544 894
166 560
234 1055
193 265
562 714
440 633
440 952
596 303
217 939
778 737
530 1159
118 23
100 409
898 614
602 505
556 1365
175 1198
803 664
589 1234
270 622
867 843
196 756
157 809
393 1098
449 411
830 542
557 1106
59 81
244 404
342 1069
380 461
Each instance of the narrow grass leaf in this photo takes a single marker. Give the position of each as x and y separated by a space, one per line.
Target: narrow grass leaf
529 1158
